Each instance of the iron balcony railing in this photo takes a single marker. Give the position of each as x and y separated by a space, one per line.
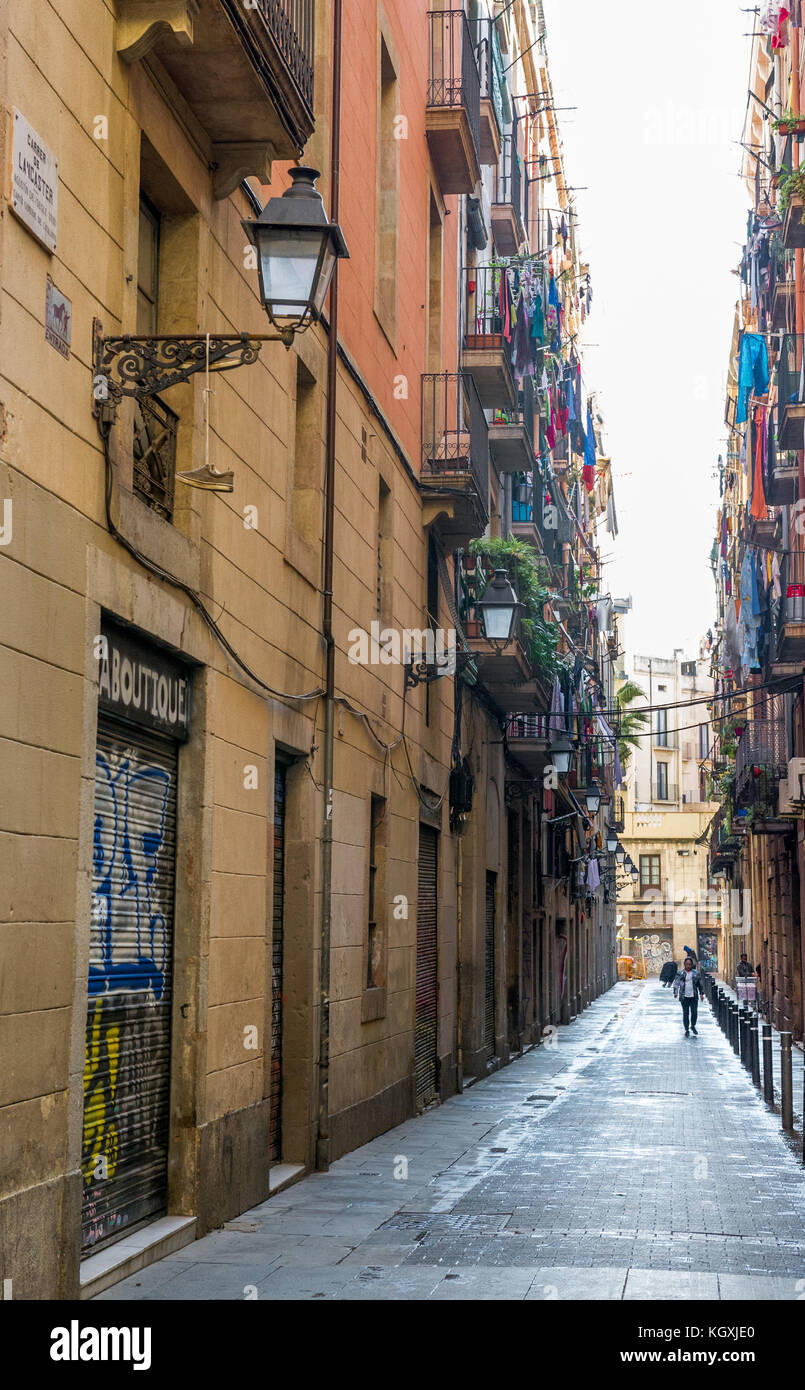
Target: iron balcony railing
455 434
761 760
522 413
790 385
792 582
488 301
531 726
454 79
292 26
509 184
490 69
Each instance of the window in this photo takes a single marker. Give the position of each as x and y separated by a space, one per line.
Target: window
148 268
649 871
435 283
388 194
385 551
704 741
155 424
433 609
306 503
662 728
375 955
662 782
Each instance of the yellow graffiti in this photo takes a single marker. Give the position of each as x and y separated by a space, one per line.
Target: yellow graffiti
101 1062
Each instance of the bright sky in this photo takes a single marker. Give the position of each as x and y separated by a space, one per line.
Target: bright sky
661 95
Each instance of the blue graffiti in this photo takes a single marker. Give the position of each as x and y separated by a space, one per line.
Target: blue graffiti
131 930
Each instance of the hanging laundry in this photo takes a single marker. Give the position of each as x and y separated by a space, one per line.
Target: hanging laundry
758 507
589 452
753 372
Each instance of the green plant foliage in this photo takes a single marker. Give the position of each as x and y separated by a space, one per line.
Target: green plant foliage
523 567
632 720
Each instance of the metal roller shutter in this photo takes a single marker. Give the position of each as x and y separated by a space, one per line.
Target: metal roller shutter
128 1036
489 969
426 968
278 919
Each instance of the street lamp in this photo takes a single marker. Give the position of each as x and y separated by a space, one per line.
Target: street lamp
634 873
297 248
620 853
612 841
561 751
498 609
593 798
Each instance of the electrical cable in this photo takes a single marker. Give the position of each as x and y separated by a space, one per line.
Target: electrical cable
187 589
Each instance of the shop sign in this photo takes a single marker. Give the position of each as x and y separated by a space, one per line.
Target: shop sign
143 683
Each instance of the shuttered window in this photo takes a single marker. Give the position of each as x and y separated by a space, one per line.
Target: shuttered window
128 1034
489 968
277 952
426 968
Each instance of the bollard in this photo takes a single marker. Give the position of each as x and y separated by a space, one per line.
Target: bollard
743 1026
754 1035
748 1038
736 1037
786 1081
720 1008
768 1072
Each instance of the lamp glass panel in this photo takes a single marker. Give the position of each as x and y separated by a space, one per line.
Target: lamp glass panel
497 623
325 276
288 262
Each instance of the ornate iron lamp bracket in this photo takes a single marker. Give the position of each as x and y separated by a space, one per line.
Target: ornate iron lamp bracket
142 366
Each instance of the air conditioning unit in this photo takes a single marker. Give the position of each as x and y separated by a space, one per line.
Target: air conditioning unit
796 781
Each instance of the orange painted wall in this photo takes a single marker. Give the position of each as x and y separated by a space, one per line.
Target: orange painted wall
359 328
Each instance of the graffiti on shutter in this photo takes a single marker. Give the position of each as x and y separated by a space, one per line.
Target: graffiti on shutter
426 969
128 1034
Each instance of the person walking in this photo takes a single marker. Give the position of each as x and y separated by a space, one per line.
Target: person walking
668 974
687 988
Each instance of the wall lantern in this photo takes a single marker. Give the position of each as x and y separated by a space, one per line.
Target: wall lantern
612 841
498 608
593 798
561 751
297 249
620 853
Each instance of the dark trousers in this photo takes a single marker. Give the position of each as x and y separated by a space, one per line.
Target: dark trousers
690 1011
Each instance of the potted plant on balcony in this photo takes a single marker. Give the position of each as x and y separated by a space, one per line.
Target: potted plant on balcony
789 124
791 188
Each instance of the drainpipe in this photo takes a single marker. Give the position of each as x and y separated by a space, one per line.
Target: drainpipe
323 1138
800 319
459 919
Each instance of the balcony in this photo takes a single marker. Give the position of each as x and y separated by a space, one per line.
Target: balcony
790 394
453 116
455 457
794 226
780 483
511 433
523 525
488 335
509 198
528 739
761 760
783 317
789 625
506 671
246 74
494 93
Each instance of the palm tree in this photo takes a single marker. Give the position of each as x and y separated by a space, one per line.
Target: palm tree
631 720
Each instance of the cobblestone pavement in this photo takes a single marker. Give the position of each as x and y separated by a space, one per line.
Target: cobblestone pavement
624 1162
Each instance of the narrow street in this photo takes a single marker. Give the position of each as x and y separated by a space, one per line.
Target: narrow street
620 1161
